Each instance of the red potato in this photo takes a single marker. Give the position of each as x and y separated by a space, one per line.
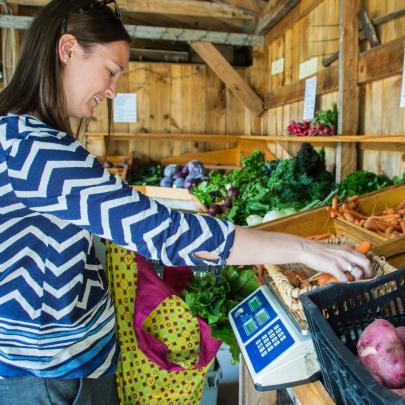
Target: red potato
401 333
381 351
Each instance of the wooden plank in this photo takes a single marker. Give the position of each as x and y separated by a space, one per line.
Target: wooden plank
159 33
383 61
248 395
174 7
327 81
303 8
348 93
218 157
313 393
273 13
251 7
141 137
233 81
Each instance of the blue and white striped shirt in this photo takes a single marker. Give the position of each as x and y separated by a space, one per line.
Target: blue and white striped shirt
56 316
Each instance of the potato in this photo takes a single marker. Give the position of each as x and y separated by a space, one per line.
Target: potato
401 333
381 351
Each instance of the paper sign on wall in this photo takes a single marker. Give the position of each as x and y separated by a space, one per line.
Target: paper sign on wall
308 68
277 66
402 104
125 108
310 98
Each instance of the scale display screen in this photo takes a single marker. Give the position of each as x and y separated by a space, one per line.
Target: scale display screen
252 315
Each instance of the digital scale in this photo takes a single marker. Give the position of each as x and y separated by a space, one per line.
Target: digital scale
277 351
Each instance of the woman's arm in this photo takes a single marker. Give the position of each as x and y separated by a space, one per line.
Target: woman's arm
252 246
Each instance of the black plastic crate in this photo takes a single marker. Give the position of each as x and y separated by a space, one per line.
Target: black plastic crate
337 314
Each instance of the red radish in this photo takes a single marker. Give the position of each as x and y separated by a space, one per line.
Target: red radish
401 333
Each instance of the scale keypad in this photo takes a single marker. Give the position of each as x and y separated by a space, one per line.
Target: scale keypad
270 344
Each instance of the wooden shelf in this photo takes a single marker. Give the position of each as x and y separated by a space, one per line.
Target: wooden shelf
399 139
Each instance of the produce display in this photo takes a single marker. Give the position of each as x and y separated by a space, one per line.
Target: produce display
389 223
186 176
144 174
324 123
300 279
381 349
213 297
275 188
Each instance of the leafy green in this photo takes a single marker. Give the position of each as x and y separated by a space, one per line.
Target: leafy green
212 298
265 186
327 117
145 174
362 182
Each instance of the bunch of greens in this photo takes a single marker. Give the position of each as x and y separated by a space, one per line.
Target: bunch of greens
362 182
327 117
261 186
145 174
213 297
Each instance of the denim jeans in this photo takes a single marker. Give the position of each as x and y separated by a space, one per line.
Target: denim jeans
49 391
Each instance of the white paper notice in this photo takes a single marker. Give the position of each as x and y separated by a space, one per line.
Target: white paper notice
277 66
310 97
125 107
402 104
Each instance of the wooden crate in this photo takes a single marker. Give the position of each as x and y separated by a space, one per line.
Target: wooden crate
375 203
176 198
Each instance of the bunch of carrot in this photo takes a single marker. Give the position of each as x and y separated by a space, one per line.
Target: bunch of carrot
390 222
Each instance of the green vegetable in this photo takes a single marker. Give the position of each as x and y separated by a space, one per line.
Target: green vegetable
145 174
212 298
362 182
327 117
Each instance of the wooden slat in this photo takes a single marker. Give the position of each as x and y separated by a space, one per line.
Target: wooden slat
348 98
374 64
228 75
251 7
313 393
271 15
327 81
383 61
303 8
174 7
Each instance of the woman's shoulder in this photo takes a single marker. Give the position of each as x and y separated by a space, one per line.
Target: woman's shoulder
27 126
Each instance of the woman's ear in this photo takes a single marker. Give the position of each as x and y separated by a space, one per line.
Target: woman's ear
67 44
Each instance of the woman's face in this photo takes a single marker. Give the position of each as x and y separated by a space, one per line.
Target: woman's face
90 77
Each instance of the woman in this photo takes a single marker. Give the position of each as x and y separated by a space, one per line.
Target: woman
57 342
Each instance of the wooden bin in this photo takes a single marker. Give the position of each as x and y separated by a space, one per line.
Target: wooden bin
375 203
176 198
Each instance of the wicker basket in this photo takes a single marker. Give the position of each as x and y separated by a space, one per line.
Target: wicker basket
290 294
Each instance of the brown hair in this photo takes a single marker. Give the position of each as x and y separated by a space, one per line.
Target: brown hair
36 86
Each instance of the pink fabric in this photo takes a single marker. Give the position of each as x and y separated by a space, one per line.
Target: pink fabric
150 292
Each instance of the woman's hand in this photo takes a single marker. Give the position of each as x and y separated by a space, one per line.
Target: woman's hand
336 260
253 246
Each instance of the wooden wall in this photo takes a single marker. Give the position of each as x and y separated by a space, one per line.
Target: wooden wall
191 99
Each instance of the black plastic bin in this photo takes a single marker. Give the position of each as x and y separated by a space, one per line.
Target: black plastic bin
337 314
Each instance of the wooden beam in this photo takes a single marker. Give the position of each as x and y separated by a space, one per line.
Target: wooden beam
271 15
303 8
383 61
327 81
378 63
252 7
348 96
160 33
173 7
229 76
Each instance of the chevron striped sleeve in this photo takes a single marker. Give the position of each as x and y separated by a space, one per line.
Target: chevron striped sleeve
56 316
51 173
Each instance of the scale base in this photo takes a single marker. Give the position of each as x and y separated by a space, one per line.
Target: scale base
313 378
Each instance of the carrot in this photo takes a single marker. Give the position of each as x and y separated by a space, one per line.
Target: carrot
400 205
402 223
348 216
353 198
324 279
389 210
335 202
389 230
349 276
332 279
363 247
